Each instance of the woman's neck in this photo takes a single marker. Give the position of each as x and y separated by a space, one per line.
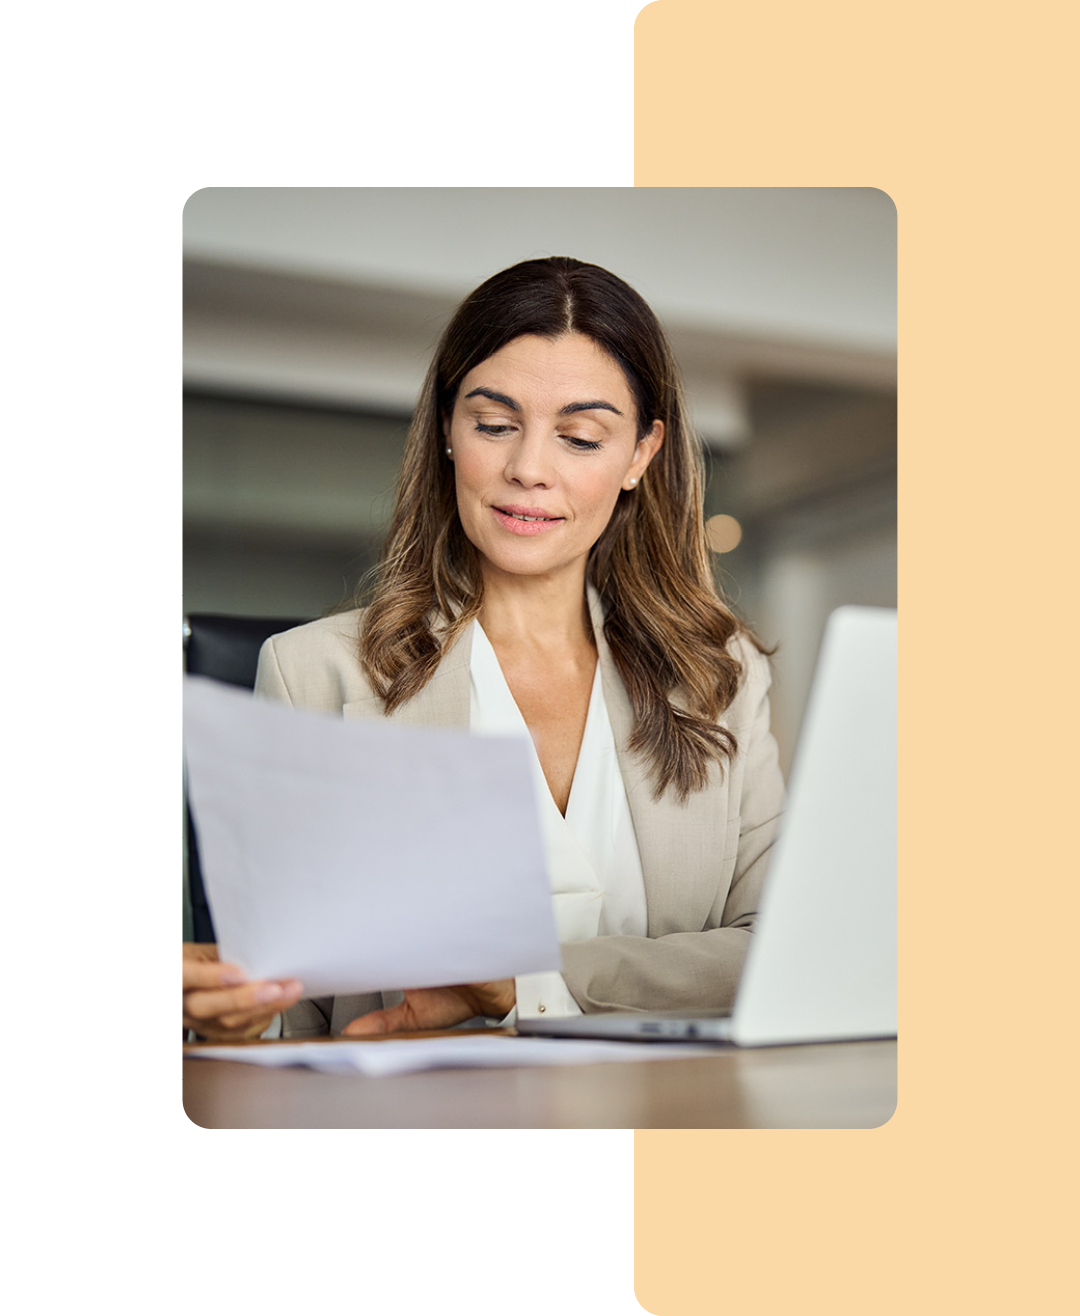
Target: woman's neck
540 611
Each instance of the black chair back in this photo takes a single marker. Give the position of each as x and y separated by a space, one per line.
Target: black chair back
225 649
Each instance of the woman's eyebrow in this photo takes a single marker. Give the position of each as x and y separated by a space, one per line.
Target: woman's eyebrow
589 406
495 397
568 410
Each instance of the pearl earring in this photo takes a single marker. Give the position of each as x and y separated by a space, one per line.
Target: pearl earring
449 453
633 481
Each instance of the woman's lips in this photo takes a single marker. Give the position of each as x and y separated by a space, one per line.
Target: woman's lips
526 520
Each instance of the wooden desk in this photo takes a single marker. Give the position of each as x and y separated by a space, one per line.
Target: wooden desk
845 1085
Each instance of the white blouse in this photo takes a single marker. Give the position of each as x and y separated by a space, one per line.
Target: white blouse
592 854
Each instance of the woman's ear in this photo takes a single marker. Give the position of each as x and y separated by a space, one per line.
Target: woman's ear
647 448
655 440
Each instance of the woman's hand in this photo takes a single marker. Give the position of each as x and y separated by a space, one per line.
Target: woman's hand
221 1005
437 1007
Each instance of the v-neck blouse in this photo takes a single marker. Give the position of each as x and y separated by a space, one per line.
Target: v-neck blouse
592 855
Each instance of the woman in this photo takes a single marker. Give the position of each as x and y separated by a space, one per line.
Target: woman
546 570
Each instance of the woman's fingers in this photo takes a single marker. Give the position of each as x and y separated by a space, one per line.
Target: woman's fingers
232 1028
209 1004
396 1019
207 974
238 1007
202 968
422 1008
219 1002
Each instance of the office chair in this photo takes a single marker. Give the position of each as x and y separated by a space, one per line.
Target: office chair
225 649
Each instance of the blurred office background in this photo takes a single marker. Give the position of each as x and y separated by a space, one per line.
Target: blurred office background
310 315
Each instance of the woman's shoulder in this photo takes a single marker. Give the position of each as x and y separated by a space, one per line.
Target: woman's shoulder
316 665
326 635
747 651
755 675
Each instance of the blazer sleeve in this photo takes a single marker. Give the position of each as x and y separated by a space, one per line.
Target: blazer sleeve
269 678
700 967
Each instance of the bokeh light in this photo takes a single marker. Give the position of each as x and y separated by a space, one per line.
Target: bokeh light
723 533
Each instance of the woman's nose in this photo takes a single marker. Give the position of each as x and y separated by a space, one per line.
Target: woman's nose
529 462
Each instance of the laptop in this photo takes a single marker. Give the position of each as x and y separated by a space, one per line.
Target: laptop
822 961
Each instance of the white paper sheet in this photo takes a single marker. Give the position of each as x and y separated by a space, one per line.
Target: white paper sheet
466 1051
359 856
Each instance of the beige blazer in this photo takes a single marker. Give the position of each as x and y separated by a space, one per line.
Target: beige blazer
703 861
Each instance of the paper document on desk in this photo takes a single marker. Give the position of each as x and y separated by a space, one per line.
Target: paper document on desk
466 1050
359 856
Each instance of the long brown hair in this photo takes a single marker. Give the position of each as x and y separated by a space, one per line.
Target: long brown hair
666 626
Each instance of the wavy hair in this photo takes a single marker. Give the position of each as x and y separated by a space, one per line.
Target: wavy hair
666 625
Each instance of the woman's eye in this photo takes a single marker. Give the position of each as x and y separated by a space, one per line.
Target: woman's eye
501 431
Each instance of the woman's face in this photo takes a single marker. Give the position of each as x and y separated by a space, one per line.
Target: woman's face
543 438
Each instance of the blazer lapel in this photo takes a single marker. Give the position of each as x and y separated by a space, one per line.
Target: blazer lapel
681 845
